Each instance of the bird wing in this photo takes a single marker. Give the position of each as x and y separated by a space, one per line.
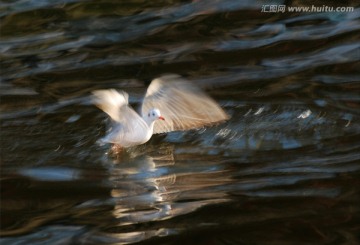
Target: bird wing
129 128
183 105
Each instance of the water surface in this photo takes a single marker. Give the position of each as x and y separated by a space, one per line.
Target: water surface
284 169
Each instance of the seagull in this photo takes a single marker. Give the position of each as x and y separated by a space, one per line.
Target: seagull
171 103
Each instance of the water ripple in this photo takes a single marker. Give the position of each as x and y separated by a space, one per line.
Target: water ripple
286 162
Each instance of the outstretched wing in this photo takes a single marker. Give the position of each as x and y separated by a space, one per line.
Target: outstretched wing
112 103
128 128
183 105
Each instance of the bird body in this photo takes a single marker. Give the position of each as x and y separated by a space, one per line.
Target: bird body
179 104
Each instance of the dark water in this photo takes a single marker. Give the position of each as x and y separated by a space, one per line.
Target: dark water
285 169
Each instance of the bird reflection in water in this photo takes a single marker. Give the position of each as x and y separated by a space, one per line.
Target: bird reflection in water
154 186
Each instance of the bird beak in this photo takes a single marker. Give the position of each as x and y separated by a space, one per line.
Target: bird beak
161 118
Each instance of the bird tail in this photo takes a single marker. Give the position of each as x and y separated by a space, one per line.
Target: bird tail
110 101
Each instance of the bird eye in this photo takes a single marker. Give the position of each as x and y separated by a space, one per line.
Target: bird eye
149 115
153 114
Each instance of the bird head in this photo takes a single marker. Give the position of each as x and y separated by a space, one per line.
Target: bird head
155 114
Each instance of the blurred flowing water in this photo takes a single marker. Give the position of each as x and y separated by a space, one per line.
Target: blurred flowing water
284 169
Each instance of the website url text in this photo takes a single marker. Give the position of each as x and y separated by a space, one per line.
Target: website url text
298 9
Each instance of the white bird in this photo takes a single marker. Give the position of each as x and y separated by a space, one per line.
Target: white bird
179 104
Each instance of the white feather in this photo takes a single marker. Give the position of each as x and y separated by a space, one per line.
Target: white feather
183 105
129 128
